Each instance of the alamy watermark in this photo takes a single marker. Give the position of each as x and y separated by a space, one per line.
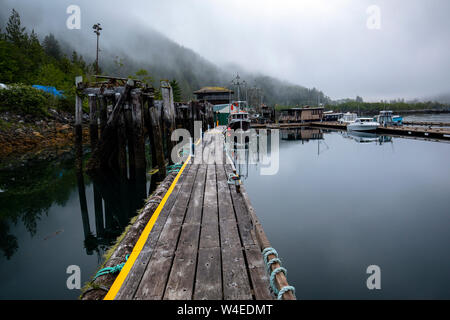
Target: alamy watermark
73 22
241 147
374 20
374 280
74 280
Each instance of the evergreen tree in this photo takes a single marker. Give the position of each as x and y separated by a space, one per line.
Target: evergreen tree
176 90
14 30
51 46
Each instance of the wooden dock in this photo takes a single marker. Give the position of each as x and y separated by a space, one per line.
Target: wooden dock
205 242
412 131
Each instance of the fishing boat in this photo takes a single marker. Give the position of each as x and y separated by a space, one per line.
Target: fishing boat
363 124
239 120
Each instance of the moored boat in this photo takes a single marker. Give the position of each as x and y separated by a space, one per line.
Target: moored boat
348 117
363 124
239 120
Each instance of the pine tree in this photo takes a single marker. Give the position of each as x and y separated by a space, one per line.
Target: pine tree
51 46
14 30
176 90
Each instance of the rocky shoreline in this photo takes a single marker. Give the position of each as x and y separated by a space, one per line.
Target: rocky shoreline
22 136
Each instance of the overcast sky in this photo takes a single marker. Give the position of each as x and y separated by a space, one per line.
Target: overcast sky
314 43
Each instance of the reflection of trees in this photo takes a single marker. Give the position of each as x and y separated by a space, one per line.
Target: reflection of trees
8 243
29 192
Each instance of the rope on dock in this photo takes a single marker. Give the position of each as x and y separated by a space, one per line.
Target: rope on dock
232 178
271 251
111 270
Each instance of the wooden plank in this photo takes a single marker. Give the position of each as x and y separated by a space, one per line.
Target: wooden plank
208 284
149 287
209 237
180 285
226 211
133 279
243 218
236 285
229 234
258 274
194 212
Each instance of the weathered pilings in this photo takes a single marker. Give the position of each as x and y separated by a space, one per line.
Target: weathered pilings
137 103
134 117
93 121
78 132
103 112
157 142
107 144
168 114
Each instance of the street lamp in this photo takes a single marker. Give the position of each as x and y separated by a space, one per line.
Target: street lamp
97 30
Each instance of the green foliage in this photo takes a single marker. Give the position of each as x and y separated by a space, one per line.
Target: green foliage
144 76
14 30
177 93
24 60
51 47
23 99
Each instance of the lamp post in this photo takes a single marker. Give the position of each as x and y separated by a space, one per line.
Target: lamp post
97 30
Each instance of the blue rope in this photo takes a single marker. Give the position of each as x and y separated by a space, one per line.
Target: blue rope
268 251
271 262
111 270
272 278
271 251
284 290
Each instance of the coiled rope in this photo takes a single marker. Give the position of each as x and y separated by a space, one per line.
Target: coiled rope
271 251
111 270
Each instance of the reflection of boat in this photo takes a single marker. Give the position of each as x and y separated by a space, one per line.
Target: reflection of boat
363 124
239 120
362 137
366 137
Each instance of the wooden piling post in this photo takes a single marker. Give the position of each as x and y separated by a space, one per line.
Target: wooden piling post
93 121
138 130
108 144
78 131
157 141
168 113
103 112
149 100
130 139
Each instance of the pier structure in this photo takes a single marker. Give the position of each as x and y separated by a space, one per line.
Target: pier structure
197 235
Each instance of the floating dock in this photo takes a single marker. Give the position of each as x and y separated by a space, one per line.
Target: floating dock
425 132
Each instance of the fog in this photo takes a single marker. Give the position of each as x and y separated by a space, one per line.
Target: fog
323 44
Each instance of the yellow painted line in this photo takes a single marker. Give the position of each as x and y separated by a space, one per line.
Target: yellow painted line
142 240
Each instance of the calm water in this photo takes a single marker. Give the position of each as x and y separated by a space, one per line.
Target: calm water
339 204
51 218
336 206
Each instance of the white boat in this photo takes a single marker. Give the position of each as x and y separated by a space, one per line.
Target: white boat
363 124
348 117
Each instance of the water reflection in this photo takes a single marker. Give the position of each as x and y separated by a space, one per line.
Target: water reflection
347 201
366 137
31 189
116 201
